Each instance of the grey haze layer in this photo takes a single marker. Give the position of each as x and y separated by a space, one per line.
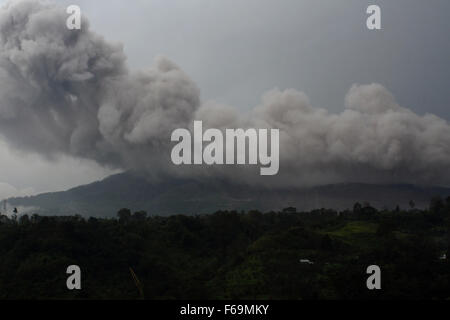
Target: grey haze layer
188 196
71 92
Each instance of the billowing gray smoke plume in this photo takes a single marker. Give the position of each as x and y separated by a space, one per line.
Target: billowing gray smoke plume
70 92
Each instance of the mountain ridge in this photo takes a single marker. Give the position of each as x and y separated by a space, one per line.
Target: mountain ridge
105 197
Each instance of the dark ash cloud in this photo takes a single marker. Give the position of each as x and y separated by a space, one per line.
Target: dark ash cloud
71 92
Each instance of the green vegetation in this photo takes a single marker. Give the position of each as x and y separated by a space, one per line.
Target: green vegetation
230 255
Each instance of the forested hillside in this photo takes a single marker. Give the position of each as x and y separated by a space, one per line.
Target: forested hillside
321 254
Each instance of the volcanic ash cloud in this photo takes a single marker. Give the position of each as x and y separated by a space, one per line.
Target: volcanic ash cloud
70 92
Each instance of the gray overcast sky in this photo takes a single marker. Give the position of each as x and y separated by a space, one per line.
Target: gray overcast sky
237 50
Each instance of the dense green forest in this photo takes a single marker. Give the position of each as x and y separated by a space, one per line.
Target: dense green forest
230 255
